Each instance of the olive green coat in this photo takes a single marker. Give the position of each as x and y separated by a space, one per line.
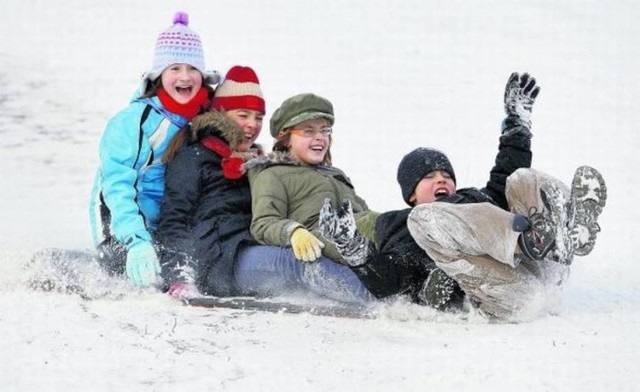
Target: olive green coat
286 195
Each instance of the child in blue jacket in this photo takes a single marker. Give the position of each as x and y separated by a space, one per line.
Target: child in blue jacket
129 183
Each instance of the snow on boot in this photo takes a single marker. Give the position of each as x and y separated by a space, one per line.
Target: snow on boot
339 227
556 202
548 231
441 292
588 198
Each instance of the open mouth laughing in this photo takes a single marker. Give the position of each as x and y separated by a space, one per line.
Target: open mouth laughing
441 192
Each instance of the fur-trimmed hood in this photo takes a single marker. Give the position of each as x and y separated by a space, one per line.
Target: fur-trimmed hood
216 124
275 158
271 159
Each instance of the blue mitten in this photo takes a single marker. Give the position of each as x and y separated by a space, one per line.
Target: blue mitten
143 267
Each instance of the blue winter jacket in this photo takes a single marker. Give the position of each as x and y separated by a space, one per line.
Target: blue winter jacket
129 183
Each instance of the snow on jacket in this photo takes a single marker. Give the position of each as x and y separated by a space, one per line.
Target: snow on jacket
398 265
205 217
129 183
287 194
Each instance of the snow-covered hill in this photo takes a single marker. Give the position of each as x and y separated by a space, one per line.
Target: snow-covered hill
401 74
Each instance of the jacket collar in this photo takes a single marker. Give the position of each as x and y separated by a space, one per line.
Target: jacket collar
279 158
216 124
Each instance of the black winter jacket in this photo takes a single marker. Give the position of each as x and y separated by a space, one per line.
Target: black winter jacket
397 264
204 217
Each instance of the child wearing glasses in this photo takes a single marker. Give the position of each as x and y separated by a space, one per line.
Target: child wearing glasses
289 185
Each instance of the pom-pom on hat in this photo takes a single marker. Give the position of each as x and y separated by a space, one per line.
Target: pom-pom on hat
178 45
299 108
240 89
417 164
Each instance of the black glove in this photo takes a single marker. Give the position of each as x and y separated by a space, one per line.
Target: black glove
339 227
519 95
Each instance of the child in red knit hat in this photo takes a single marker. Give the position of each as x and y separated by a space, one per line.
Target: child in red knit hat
207 202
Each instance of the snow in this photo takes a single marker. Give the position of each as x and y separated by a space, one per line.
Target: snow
401 75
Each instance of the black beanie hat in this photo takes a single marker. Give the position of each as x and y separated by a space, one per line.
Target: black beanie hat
417 164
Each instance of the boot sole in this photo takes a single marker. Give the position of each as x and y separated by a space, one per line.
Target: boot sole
556 203
588 198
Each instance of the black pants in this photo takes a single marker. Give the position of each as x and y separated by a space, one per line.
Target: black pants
385 275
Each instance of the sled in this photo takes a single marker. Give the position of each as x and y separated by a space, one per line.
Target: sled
264 305
68 271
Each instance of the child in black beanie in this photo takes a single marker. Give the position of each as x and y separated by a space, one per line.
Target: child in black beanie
468 242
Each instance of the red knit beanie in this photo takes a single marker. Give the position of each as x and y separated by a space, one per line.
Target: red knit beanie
239 90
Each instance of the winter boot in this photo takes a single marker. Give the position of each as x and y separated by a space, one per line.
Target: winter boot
441 292
548 228
339 227
588 198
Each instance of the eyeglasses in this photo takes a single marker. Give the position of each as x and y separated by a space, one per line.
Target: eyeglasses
311 132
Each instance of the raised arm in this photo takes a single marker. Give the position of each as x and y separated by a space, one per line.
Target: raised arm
514 150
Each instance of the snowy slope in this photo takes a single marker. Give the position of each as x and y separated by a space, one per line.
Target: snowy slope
401 74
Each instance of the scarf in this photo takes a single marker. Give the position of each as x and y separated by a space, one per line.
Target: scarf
231 164
187 110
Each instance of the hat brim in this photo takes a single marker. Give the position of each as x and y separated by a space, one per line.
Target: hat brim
209 77
302 117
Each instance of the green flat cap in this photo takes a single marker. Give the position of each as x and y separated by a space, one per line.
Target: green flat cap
299 108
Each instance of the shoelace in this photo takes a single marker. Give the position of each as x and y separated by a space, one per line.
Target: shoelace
535 217
537 223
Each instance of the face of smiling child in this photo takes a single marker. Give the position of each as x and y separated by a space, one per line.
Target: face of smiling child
310 141
435 184
250 121
182 82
